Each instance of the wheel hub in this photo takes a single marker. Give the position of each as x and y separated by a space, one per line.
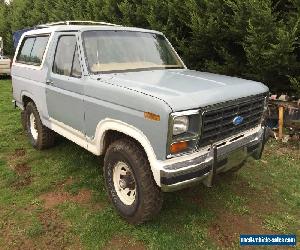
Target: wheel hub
124 183
32 126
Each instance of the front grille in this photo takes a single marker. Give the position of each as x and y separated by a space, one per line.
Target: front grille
218 119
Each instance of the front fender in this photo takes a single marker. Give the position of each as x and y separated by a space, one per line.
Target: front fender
97 144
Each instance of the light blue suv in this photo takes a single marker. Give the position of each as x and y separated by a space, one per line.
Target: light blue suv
124 93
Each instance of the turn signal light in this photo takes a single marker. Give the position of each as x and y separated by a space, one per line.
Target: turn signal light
151 116
178 147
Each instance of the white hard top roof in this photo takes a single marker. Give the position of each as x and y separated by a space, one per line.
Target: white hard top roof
81 28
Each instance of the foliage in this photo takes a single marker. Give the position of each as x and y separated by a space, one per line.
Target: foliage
295 83
254 39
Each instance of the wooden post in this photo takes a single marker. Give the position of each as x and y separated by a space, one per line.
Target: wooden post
280 121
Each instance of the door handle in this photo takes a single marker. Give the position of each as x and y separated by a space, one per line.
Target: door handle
49 82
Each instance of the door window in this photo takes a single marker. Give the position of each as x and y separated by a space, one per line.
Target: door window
66 61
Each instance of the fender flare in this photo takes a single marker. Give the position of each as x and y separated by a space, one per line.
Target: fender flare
133 132
29 95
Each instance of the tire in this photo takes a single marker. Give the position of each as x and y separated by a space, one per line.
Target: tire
40 136
147 201
23 120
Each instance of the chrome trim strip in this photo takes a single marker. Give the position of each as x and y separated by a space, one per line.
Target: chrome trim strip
187 113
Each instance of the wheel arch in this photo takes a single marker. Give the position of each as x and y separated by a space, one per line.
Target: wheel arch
27 97
26 100
109 128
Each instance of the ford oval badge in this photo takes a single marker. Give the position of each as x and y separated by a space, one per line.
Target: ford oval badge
237 120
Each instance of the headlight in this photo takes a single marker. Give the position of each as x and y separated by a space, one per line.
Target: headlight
180 125
184 132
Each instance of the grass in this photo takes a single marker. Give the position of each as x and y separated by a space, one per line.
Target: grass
262 197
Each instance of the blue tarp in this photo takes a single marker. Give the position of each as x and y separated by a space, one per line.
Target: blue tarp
17 35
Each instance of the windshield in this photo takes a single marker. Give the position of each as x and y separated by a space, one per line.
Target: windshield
117 51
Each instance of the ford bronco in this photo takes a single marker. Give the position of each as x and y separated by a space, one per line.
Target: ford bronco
124 93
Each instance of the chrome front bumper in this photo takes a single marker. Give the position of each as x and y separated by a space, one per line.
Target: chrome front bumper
204 165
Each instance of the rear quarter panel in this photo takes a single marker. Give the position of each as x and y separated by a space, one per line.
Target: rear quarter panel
29 80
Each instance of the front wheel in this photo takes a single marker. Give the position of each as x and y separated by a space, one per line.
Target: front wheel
130 183
39 135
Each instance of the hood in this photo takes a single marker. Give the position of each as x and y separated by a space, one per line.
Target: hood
187 89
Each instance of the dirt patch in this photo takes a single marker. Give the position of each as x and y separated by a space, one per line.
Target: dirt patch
83 196
21 182
124 243
19 152
22 169
55 234
12 239
53 225
13 158
52 199
64 183
24 177
226 229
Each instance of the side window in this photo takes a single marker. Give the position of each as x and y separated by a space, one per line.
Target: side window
25 50
38 49
32 50
66 61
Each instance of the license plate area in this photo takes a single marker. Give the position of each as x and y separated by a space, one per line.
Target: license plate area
233 158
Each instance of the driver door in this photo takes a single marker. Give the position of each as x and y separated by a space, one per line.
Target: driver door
65 88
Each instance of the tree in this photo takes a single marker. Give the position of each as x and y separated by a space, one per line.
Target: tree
254 39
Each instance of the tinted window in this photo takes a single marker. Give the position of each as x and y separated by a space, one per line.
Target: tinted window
32 50
66 60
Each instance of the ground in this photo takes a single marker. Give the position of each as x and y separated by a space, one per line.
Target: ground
56 199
